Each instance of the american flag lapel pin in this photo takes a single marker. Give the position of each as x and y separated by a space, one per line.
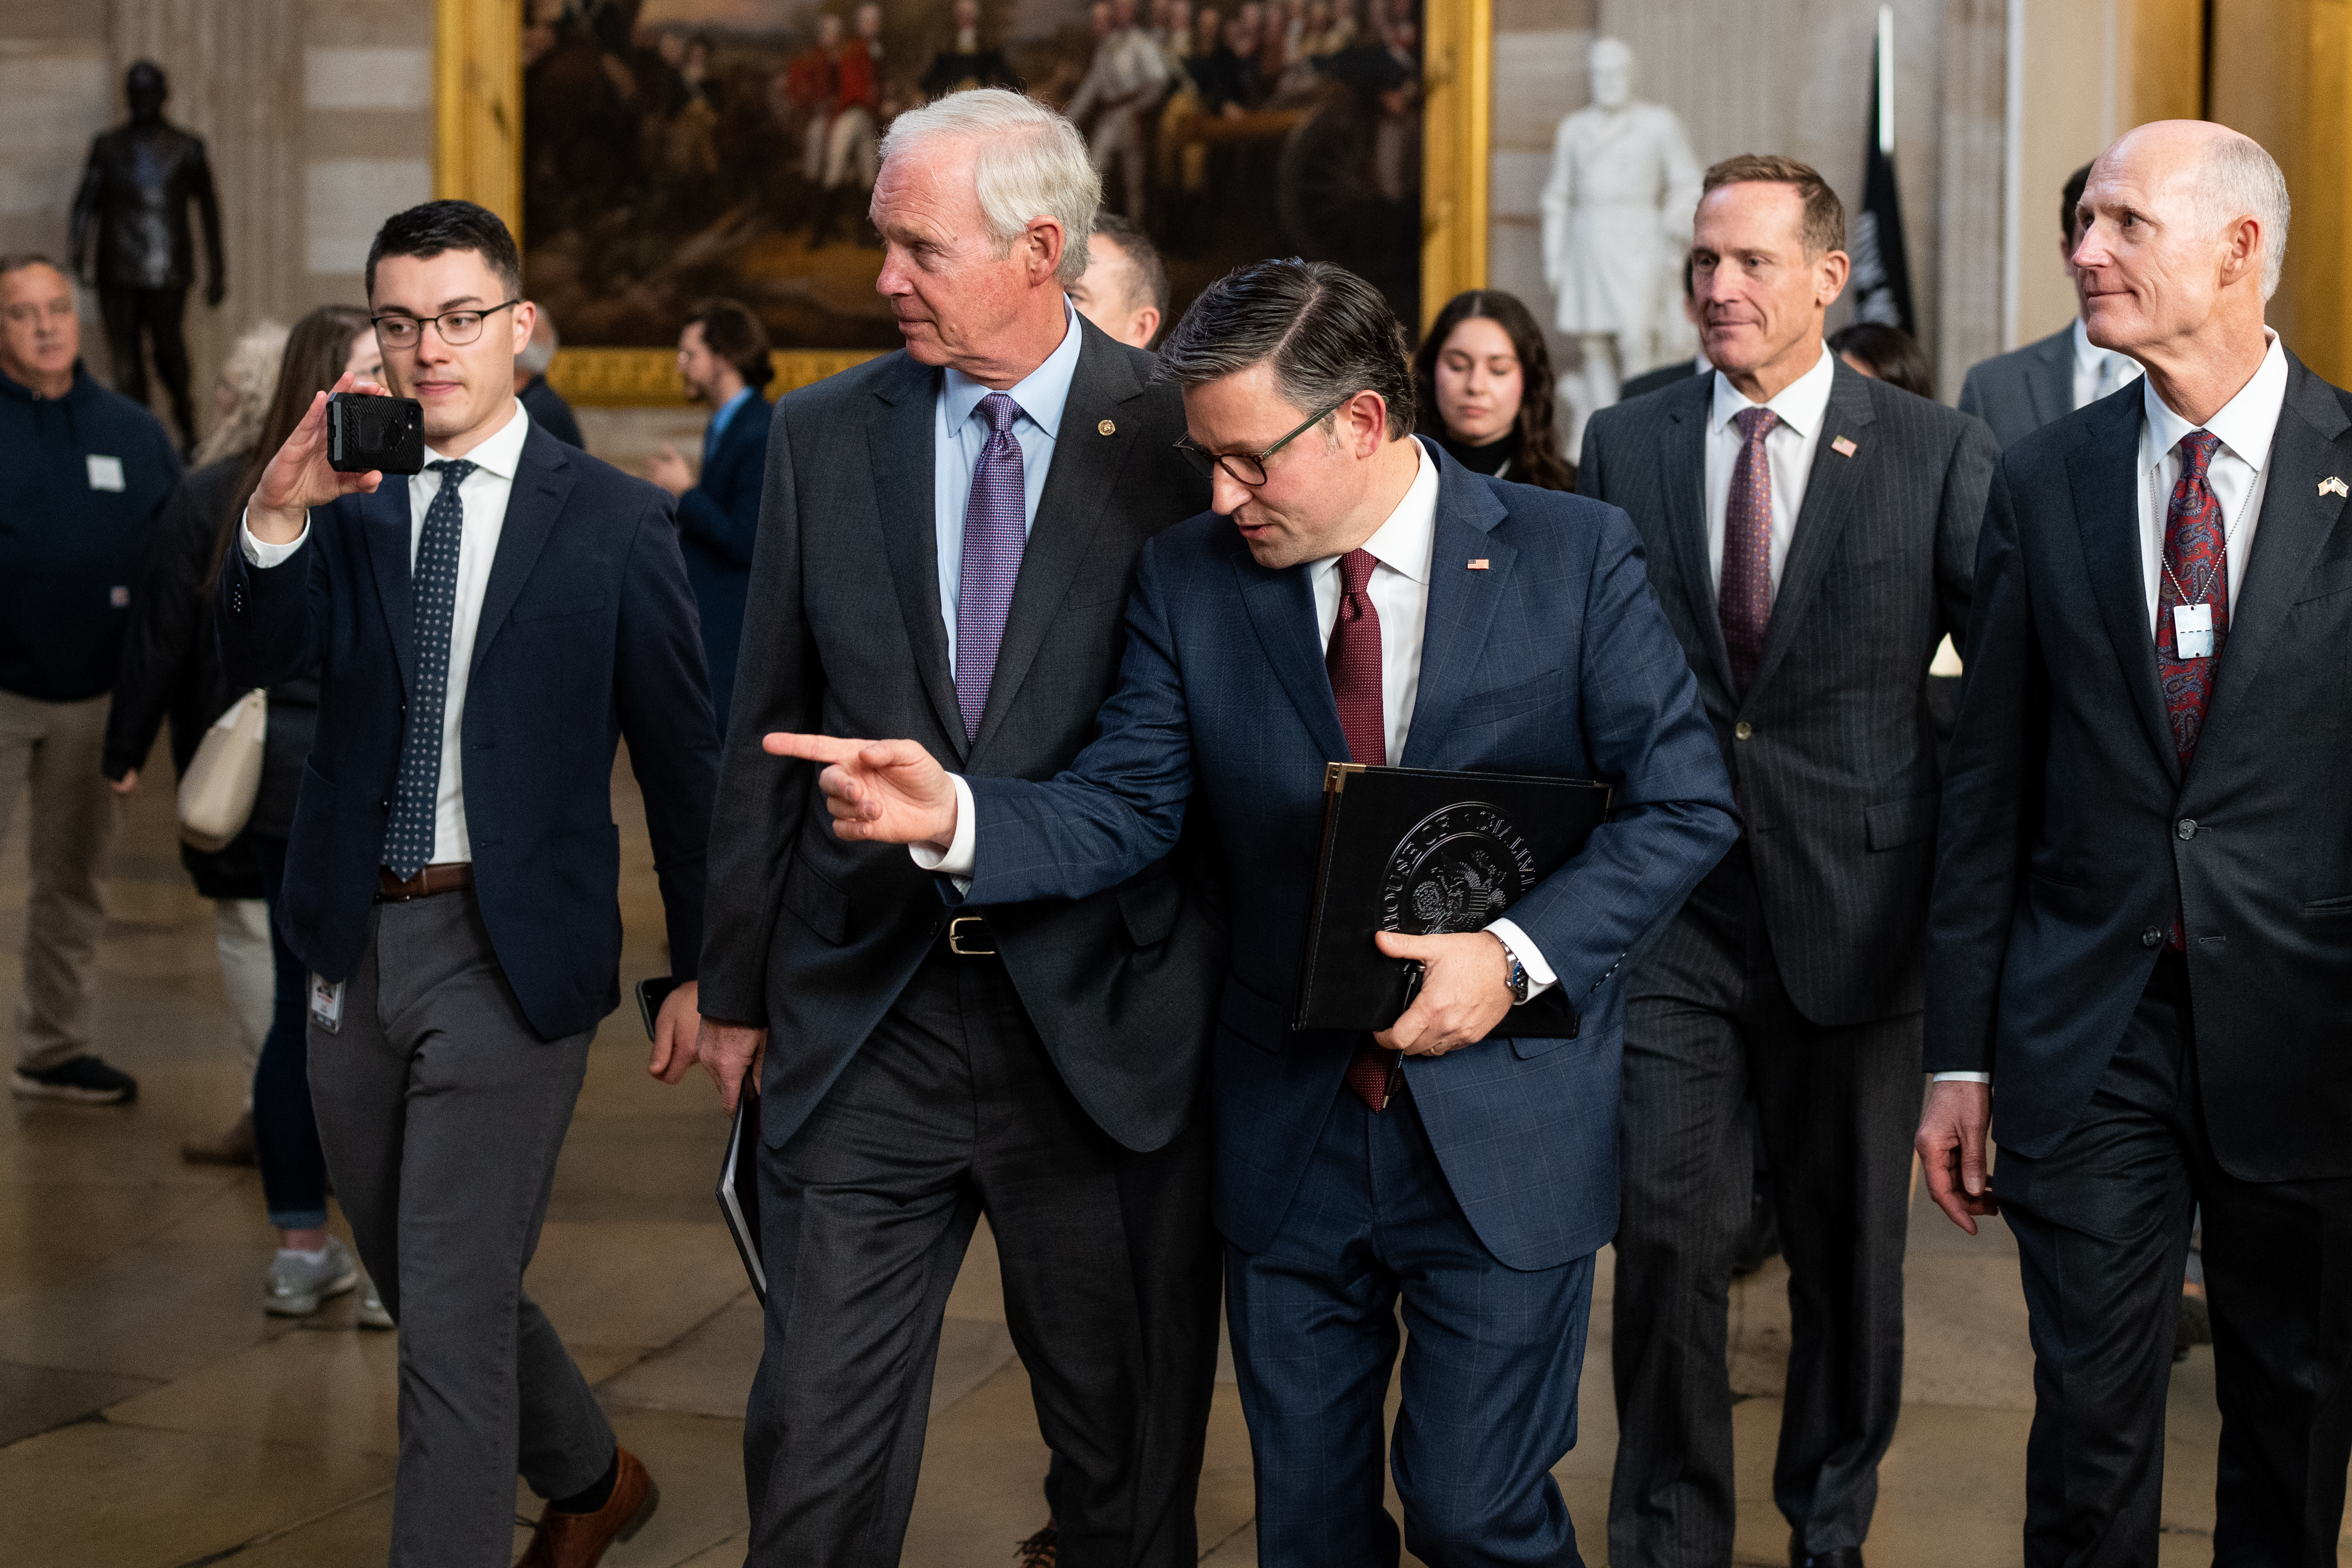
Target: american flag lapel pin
2332 485
1843 445
1479 564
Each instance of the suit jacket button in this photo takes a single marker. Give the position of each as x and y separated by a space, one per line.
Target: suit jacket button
2151 937
1742 730
2188 828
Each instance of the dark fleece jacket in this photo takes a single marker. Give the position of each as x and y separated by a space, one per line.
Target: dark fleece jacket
71 544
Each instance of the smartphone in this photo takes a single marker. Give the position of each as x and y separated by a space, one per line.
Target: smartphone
651 995
366 432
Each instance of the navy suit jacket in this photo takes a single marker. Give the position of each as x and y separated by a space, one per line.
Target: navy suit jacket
587 635
1554 658
717 521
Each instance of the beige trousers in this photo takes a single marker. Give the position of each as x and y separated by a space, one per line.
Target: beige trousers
49 754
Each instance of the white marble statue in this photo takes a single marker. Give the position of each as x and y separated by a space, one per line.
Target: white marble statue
1616 225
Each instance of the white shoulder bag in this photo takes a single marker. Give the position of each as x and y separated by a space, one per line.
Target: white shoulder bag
218 791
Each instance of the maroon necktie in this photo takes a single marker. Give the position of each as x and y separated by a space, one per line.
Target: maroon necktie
2196 571
1744 603
1353 660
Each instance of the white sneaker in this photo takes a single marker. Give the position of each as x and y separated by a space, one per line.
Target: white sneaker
371 1314
296 1286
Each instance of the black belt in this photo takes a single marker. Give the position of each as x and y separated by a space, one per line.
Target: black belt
968 936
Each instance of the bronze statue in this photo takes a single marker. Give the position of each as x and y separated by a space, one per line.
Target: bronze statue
133 205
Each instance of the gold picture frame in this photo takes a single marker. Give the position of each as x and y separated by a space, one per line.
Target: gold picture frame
477 155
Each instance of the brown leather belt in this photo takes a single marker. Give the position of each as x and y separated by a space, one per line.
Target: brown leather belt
447 877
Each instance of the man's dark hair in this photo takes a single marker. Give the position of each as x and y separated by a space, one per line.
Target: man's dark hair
2070 201
1892 355
1326 332
1824 220
433 228
1148 286
736 336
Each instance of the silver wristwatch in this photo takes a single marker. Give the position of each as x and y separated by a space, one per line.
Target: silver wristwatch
1515 973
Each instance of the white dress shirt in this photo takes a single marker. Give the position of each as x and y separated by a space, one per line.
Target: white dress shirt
2239 473
2097 371
1398 589
1803 406
484 494
958 435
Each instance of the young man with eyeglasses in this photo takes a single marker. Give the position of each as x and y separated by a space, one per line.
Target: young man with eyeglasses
1355 595
486 630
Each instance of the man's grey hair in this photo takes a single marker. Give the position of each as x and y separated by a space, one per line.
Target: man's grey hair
540 353
1031 163
2242 180
17 260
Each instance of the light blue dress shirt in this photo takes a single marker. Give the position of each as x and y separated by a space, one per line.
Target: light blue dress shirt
957 435
719 420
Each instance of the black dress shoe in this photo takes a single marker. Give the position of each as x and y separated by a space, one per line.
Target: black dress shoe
1834 1557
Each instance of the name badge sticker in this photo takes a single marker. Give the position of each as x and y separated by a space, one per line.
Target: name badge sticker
326 1003
2193 631
105 473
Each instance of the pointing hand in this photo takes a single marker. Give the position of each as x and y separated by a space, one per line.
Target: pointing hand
879 792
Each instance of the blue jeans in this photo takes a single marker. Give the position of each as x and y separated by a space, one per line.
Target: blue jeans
284 1129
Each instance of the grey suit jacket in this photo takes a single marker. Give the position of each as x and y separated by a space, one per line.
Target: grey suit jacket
1832 750
2020 392
842 635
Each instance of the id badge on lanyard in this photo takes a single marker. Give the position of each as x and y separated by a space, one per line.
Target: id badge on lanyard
2193 631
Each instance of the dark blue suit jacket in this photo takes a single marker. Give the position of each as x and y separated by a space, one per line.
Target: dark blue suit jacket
587 635
1552 658
717 521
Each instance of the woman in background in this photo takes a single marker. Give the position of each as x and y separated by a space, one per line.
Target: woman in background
1485 380
163 674
192 537
1885 354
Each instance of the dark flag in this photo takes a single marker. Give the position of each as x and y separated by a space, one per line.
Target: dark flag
1882 277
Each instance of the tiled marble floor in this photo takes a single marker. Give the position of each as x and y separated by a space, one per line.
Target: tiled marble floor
151 1417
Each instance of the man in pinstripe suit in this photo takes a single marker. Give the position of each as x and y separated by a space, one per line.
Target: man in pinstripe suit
1811 534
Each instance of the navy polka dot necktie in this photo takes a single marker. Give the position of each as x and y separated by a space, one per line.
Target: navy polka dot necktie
409 838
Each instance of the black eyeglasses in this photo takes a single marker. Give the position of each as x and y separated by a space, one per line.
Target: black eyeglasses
398 330
1249 468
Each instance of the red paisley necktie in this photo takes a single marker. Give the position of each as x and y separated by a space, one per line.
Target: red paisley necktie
2196 571
1352 659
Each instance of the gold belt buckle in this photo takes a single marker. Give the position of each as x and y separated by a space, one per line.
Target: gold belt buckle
956 937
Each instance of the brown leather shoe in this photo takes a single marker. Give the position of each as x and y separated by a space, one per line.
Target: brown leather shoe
233 1147
579 1540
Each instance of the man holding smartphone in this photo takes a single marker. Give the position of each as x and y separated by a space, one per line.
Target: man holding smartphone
485 631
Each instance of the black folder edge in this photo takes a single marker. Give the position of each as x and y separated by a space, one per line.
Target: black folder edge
1335 786
739 1172
742 1167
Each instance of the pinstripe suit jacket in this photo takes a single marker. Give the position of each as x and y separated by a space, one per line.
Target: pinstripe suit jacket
1549 657
1832 750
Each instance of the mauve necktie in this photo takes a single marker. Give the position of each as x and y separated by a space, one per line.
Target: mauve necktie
1744 603
1352 659
993 533
2196 571
408 837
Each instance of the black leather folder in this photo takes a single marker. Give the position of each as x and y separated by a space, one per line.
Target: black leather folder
1426 852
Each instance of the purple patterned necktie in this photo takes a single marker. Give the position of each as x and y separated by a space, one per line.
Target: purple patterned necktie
994 530
1744 603
2196 571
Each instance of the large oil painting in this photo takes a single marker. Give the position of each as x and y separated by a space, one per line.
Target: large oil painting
675 149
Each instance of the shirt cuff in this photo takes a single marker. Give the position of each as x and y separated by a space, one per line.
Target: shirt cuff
1964 1077
1540 977
957 861
265 555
